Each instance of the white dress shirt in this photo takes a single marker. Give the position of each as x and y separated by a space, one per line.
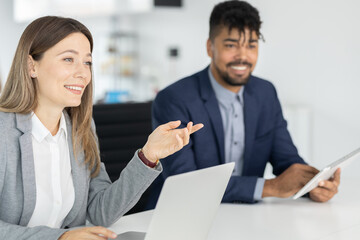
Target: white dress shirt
54 185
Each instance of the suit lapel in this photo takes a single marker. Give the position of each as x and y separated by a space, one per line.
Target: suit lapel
212 107
79 175
23 123
251 115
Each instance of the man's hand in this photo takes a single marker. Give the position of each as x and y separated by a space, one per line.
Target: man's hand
289 182
326 189
95 233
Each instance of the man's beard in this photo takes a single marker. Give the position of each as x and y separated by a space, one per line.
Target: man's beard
231 81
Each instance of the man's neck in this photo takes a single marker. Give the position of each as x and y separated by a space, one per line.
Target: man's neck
220 80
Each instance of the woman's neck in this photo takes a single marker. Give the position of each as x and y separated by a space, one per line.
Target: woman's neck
50 118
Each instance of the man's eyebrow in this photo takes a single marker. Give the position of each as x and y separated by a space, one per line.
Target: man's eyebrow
237 40
231 40
74 52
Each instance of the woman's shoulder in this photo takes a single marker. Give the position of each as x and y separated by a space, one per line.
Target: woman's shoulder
7 119
4 119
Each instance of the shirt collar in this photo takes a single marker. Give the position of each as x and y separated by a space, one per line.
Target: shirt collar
40 132
224 95
63 124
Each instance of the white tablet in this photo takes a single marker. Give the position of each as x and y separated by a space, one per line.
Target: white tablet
328 172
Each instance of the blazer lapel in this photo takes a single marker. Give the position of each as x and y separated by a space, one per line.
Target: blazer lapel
251 115
79 175
23 123
212 107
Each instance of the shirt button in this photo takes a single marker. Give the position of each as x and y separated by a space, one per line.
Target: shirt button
235 143
236 115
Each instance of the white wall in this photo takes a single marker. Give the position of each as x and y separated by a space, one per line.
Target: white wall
311 54
10 35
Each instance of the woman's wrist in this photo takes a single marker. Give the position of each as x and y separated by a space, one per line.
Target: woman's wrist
148 162
63 236
148 154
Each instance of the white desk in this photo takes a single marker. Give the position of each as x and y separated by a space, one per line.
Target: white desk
281 219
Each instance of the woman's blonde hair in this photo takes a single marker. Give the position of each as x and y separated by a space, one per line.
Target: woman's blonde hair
20 91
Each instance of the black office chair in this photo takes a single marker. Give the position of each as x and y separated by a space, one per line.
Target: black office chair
122 129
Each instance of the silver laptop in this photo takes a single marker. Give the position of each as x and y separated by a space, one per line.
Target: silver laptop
187 205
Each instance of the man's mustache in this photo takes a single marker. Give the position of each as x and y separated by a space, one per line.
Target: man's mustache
239 63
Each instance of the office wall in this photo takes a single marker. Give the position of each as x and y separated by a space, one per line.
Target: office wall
10 35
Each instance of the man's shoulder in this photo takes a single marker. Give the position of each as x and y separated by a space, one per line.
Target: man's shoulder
259 83
261 88
183 88
186 82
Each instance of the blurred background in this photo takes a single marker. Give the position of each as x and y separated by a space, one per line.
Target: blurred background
311 54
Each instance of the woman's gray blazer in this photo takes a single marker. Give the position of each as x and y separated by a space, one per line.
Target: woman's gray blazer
96 199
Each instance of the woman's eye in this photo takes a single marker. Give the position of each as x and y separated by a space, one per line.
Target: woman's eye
88 63
68 59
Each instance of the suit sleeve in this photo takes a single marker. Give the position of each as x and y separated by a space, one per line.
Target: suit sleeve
15 232
107 201
284 153
240 189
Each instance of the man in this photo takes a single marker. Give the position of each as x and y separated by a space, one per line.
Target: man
241 113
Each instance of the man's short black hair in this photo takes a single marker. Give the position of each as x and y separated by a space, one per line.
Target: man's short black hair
234 14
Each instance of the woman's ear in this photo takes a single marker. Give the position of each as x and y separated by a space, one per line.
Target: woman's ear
31 67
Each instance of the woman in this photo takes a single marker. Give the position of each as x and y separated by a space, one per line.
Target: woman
51 177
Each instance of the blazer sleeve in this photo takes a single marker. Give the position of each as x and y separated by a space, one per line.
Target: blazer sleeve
240 189
284 153
108 201
15 232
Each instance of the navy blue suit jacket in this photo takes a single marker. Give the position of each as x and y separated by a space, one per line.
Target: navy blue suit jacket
266 136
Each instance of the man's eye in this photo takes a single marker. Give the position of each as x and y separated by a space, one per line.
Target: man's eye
253 45
229 45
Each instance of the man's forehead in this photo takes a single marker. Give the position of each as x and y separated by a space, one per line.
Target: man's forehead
235 33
